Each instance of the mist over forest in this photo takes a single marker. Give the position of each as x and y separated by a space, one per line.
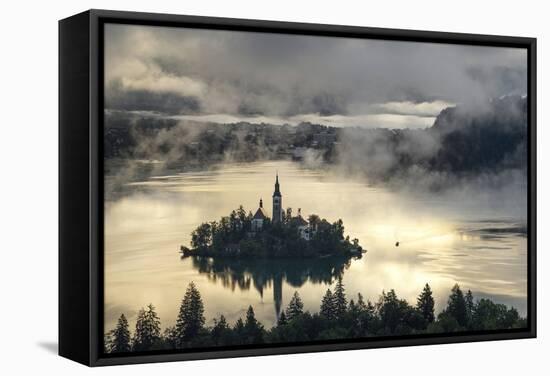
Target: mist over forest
465 143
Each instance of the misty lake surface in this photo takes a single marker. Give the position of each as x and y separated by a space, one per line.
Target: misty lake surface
473 237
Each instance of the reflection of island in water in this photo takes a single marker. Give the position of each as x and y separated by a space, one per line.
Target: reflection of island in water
262 273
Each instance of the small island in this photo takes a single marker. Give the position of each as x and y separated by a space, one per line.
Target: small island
247 235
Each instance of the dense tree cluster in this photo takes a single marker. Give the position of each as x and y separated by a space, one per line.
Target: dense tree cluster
337 319
231 236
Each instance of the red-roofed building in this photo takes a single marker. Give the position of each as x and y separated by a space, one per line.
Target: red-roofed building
259 218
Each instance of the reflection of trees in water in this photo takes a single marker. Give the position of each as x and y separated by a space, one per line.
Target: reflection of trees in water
264 273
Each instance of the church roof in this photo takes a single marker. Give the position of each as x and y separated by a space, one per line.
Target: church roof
299 221
260 214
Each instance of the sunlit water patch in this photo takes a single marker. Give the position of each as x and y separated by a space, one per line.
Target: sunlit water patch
476 240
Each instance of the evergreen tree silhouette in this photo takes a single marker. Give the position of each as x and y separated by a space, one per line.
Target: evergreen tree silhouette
470 305
239 332
295 307
340 302
456 306
191 315
352 307
393 311
221 331
328 309
147 332
170 338
252 328
121 336
282 319
361 306
390 315
425 304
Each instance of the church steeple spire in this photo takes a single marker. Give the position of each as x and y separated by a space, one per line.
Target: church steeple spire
277 191
277 201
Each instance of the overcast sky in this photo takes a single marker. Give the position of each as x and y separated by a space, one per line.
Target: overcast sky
227 76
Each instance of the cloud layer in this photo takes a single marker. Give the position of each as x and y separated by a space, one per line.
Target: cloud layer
287 78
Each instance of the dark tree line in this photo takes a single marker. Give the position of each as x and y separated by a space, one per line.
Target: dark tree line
337 318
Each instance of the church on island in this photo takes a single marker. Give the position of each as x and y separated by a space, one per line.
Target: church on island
257 236
284 235
306 231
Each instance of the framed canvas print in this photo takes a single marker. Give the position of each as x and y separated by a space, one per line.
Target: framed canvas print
237 187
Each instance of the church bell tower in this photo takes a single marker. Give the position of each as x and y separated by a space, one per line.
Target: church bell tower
277 202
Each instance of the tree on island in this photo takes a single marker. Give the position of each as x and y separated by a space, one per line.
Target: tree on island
314 221
147 333
201 238
287 216
191 315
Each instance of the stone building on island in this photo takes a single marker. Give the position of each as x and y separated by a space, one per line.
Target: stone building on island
303 226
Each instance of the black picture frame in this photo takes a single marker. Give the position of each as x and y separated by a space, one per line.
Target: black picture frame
81 184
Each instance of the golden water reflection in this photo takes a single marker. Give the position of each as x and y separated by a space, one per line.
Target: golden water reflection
474 240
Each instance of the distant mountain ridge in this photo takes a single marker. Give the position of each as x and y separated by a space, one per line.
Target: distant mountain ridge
492 137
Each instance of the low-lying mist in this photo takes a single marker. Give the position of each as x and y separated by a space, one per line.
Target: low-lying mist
468 149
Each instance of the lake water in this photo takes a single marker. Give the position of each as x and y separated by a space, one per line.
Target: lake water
472 237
